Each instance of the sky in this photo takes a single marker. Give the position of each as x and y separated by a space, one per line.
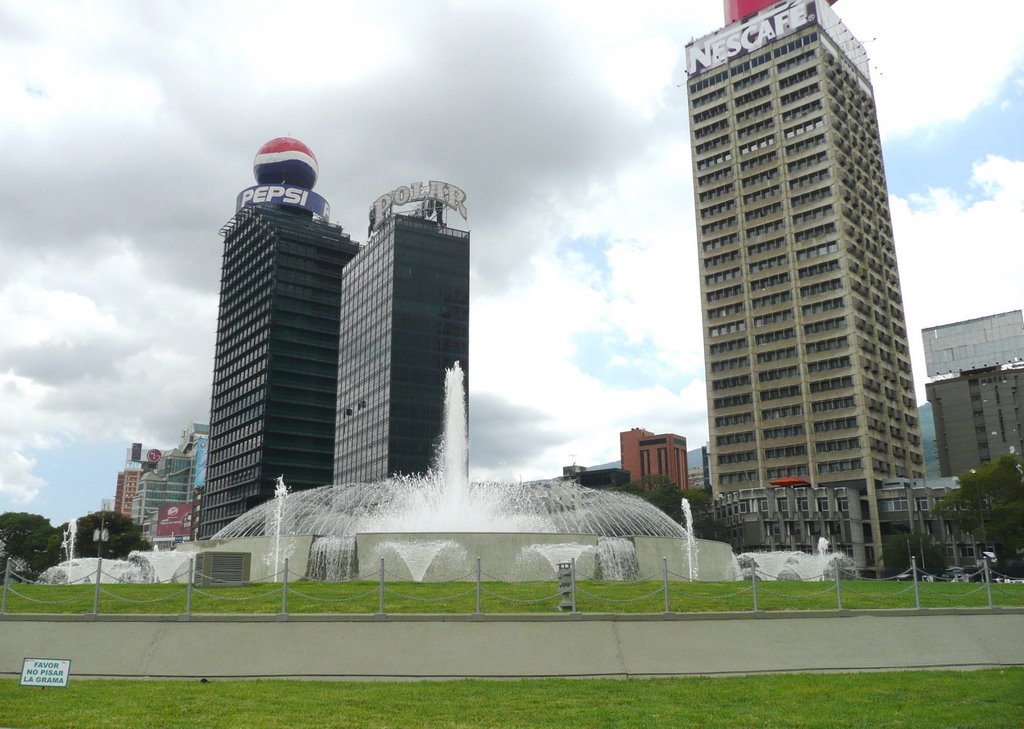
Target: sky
131 127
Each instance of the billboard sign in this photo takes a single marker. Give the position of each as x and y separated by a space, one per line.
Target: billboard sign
199 469
136 452
296 197
174 520
776 21
154 455
434 194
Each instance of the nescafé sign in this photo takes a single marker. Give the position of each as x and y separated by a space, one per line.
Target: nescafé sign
739 39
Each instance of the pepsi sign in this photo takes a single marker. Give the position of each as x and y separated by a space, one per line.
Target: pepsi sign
290 195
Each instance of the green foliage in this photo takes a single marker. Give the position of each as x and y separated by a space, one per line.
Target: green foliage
898 548
990 505
659 491
665 495
26 538
125 535
705 525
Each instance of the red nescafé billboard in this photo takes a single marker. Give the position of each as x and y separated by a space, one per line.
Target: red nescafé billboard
174 520
736 9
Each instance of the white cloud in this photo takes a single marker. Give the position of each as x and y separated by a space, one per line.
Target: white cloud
567 125
135 366
935 62
960 258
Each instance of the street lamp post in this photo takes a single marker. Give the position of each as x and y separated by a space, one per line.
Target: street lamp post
101 535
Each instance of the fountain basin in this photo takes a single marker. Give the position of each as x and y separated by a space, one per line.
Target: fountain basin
505 556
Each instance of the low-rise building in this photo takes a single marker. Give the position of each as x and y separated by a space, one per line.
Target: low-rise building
796 518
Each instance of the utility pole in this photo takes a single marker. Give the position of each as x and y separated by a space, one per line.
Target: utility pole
101 535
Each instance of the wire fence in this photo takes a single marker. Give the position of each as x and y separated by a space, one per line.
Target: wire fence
478 592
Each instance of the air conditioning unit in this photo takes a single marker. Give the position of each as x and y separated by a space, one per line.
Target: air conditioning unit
215 569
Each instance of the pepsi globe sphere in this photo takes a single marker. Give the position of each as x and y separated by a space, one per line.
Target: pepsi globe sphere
285 161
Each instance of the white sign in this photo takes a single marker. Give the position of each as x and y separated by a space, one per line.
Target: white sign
735 40
45 672
445 193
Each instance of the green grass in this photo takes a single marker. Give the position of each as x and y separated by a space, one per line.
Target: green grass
502 597
990 699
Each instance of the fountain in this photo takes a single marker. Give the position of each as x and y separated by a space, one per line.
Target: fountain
516 528
141 567
280 498
787 565
616 559
67 543
691 543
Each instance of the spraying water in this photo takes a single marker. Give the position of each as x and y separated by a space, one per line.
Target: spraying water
280 497
454 450
445 501
691 542
67 543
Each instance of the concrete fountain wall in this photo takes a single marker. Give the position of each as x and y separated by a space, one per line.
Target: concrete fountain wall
430 556
295 548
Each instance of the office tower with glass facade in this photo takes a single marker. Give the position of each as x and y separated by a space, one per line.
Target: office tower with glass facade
807 365
274 380
404 322
976 389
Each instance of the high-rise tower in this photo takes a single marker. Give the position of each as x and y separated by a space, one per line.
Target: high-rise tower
807 365
274 380
404 322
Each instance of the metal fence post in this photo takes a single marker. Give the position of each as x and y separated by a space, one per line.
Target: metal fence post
664 581
96 592
753 582
284 589
7 580
380 607
478 584
839 589
188 590
988 582
917 587
573 574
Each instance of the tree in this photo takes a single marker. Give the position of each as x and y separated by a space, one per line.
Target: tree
990 505
897 550
659 491
705 525
26 537
665 495
125 535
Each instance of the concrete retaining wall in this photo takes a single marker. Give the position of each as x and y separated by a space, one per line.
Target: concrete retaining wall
435 647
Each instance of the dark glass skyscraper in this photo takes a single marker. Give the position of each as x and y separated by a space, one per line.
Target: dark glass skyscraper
404 321
274 380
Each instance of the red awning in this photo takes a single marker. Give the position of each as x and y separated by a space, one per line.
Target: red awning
789 481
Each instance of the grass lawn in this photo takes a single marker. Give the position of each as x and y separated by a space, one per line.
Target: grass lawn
501 597
991 699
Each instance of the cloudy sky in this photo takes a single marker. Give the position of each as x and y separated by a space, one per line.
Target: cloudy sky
131 127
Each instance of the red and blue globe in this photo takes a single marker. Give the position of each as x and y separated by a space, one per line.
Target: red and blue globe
285 161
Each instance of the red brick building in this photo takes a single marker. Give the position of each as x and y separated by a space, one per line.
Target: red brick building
127 485
645 453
